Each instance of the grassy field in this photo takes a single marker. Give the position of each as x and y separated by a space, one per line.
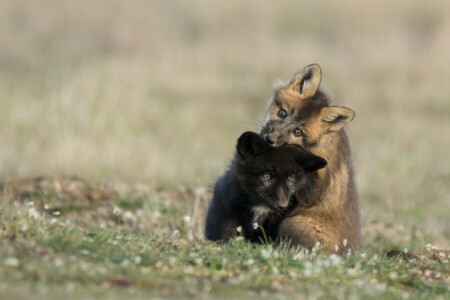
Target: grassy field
145 101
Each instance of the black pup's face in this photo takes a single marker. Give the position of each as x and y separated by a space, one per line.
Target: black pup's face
273 173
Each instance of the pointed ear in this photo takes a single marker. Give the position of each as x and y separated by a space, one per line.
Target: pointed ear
251 144
335 117
310 162
306 81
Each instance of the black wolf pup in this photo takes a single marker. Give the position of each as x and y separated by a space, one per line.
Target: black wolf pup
257 187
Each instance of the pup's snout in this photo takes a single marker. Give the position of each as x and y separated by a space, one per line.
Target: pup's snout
269 140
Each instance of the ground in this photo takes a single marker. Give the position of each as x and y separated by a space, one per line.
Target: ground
66 237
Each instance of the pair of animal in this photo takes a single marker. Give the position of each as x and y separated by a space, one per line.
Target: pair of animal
295 180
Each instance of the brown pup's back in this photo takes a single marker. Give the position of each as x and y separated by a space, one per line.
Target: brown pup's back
299 113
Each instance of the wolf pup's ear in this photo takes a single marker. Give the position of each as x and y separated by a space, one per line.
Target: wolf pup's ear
306 81
310 162
335 117
251 144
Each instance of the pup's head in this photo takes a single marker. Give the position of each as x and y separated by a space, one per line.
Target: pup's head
273 174
299 113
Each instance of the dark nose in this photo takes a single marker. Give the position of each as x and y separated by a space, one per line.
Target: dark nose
269 140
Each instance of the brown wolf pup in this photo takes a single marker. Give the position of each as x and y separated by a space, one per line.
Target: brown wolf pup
299 113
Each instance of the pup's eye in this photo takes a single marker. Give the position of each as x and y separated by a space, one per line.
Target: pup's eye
282 113
266 176
298 132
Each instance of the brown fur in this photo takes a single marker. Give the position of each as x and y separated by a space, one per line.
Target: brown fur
330 213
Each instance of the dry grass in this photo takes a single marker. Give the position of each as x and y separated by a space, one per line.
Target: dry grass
157 93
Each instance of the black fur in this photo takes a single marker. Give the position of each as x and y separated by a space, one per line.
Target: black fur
245 186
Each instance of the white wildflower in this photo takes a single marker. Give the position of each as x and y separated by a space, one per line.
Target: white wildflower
46 206
351 271
335 259
187 219
59 262
11 262
56 213
265 254
156 214
336 248
125 263
24 227
250 262
32 212
393 275
128 215
116 211
53 221
239 229
137 259
255 225
275 254
405 250
344 243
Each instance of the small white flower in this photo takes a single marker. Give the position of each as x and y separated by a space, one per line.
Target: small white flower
46 206
239 229
255 225
116 211
336 248
344 243
59 262
275 254
405 250
175 232
265 254
32 212
156 214
56 213
24 227
128 215
250 262
137 259
187 219
11 262
125 263
393 275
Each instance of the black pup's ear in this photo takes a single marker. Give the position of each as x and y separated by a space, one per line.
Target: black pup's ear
250 144
310 162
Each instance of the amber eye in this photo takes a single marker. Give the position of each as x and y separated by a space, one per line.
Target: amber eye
282 113
298 132
266 176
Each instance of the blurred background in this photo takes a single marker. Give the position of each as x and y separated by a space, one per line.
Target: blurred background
157 92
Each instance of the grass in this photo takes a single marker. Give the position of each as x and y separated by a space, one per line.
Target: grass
157 249
154 95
